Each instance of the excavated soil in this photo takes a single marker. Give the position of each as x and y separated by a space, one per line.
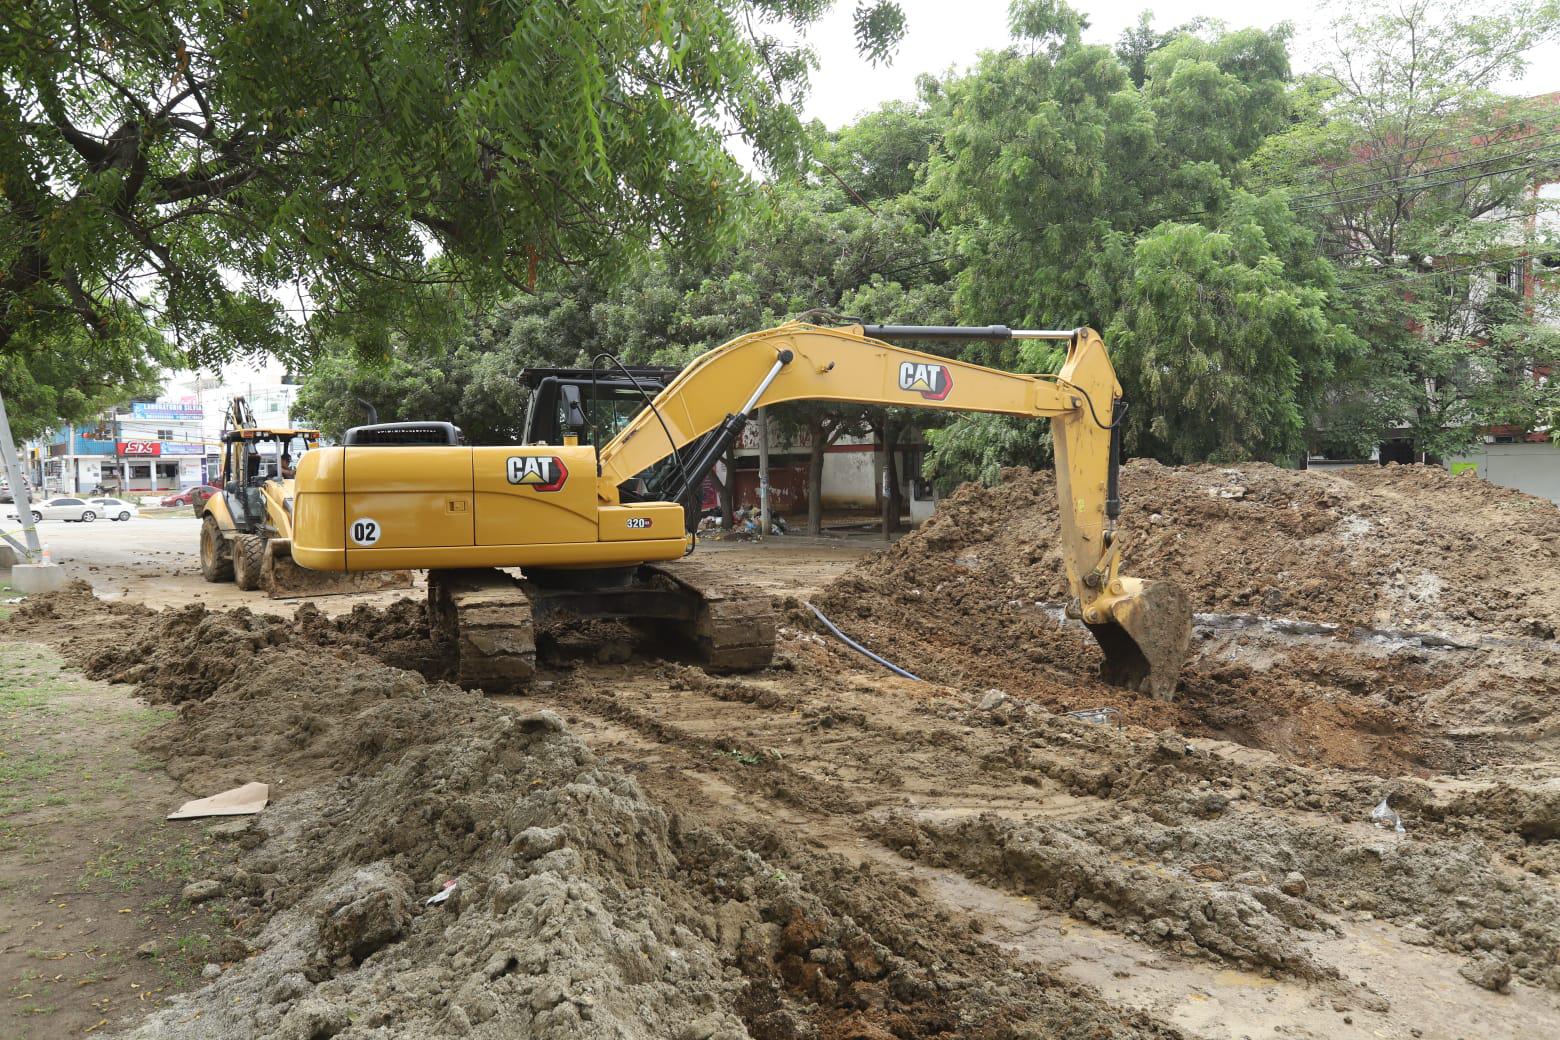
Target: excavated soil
824 850
1386 619
578 906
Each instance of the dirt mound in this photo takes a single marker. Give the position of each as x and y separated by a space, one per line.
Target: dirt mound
576 906
183 653
971 598
1395 547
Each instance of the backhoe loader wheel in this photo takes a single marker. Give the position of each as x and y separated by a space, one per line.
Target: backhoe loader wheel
215 563
248 561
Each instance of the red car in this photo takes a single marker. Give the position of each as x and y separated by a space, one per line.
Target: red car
190 496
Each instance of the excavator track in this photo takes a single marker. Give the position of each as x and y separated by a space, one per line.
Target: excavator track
733 628
481 619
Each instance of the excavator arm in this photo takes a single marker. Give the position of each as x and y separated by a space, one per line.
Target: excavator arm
1143 628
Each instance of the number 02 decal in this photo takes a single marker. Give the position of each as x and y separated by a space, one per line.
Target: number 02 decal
365 531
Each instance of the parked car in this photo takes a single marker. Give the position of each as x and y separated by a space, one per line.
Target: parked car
5 490
194 496
114 508
71 510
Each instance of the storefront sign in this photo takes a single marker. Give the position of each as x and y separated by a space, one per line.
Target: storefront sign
140 448
167 410
173 448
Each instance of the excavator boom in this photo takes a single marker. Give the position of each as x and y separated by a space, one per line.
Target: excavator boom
569 515
1143 630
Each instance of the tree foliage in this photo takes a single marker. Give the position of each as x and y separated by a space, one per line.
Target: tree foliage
1416 171
1092 186
1277 264
268 176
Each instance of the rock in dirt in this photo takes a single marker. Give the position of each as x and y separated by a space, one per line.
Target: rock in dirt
373 911
991 700
288 988
1489 973
313 1020
1294 884
201 891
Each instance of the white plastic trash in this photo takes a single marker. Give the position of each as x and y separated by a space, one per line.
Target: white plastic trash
1386 817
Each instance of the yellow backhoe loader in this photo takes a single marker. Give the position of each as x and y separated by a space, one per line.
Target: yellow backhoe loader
246 528
602 531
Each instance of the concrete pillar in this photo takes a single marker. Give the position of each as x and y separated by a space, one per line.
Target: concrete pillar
32 579
763 473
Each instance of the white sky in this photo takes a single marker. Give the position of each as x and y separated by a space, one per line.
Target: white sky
944 33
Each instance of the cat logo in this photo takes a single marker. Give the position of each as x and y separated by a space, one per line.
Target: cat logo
930 381
540 472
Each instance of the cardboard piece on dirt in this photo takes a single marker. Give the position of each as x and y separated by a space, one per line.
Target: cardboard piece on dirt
240 801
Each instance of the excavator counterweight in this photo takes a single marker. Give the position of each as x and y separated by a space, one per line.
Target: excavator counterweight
600 532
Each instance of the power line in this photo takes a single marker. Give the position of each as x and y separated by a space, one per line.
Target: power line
1445 151
1363 199
1437 172
1421 275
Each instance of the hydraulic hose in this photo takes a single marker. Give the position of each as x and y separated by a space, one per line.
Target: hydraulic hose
848 641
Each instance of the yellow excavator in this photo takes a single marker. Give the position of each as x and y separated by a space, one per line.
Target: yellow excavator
602 531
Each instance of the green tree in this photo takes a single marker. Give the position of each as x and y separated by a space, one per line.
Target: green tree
1087 186
1225 335
76 383
267 176
471 378
822 245
1416 171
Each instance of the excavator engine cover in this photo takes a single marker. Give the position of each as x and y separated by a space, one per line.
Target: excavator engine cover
1146 641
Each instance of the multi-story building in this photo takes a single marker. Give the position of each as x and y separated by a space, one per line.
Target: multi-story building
164 444
1524 459
144 447
1528 460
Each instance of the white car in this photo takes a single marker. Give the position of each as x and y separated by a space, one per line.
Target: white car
67 509
114 508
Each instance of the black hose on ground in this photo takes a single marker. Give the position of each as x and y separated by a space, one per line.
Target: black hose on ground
848 641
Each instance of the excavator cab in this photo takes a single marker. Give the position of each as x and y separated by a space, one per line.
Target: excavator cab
573 402
570 406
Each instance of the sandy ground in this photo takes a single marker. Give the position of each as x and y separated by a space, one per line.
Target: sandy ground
825 850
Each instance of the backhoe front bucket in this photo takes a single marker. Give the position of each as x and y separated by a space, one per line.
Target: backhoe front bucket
1145 644
283 579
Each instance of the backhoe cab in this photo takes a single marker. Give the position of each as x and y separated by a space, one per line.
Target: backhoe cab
600 530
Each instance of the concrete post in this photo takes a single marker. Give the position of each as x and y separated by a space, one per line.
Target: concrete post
763 472
13 472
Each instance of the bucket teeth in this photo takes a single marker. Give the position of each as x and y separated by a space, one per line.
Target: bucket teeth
1146 641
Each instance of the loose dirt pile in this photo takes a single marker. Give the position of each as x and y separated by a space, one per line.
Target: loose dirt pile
971 598
579 908
1395 547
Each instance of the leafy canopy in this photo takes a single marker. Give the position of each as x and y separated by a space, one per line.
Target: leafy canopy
224 170
1416 171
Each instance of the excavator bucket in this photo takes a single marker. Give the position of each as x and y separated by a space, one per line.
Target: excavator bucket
1145 643
283 579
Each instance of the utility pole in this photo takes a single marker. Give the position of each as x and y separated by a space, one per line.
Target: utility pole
763 472
32 552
